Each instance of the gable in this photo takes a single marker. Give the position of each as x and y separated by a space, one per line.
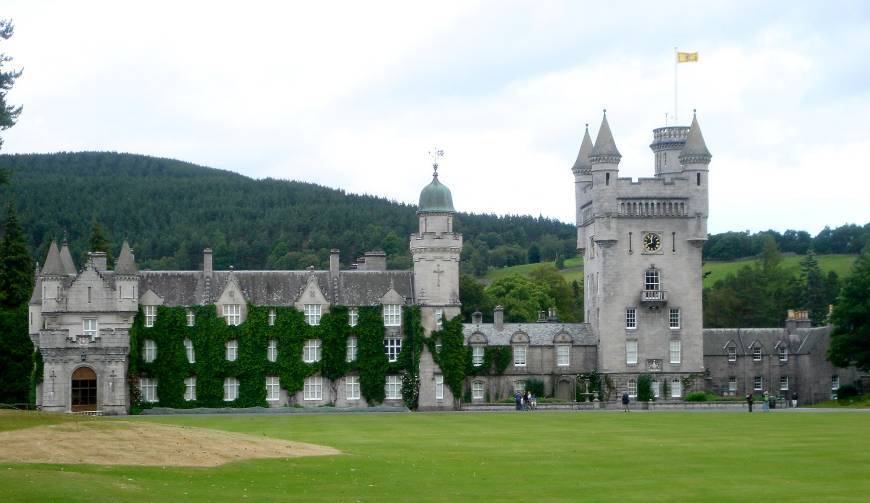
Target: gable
149 298
311 294
232 293
392 297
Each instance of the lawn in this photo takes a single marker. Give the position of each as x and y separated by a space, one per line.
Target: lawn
558 456
841 264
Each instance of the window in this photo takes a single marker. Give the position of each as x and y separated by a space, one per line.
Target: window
631 318
632 387
232 350
477 390
148 387
563 355
351 387
272 317
438 346
272 350
520 386
519 355
783 383
313 389
835 386
273 389
191 318
732 384
656 388
439 387
757 383
233 314
393 388
312 314
352 316
188 350
190 389
351 349
150 350
676 388
477 355
392 347
311 351
651 279
631 352
89 327
676 349
783 353
392 315
756 353
150 315
732 353
674 318
231 389
439 318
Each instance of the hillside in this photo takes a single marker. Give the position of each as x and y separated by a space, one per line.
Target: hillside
841 264
170 210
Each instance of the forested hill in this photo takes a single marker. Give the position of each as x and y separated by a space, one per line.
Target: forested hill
171 210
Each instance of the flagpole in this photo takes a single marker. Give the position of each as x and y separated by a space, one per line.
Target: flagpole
676 117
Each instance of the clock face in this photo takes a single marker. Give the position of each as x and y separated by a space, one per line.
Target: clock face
652 242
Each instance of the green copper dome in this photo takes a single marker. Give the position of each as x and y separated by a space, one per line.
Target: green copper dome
436 198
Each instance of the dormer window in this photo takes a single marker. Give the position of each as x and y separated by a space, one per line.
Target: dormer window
756 353
783 353
392 315
732 353
150 315
233 314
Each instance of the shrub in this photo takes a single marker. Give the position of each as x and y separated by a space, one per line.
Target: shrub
644 388
535 387
697 396
847 392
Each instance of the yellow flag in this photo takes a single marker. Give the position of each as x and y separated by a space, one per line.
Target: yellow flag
687 57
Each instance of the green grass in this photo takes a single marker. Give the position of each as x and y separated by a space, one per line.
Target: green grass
499 456
859 402
841 264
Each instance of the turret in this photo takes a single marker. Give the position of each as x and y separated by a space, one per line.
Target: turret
436 206
605 157
667 143
66 259
34 320
695 160
52 274
582 170
127 279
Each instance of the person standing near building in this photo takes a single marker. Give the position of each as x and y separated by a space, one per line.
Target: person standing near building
794 400
765 404
625 401
749 401
519 399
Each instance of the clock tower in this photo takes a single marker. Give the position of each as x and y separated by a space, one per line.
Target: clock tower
641 242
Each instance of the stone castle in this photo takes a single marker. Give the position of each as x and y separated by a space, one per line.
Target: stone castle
642 249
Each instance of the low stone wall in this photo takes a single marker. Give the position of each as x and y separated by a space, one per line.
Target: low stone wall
658 405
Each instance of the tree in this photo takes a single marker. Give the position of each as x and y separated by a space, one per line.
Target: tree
850 340
473 297
8 113
547 276
521 297
534 254
813 289
99 242
16 264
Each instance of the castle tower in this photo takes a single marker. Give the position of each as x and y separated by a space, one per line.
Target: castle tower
127 280
641 241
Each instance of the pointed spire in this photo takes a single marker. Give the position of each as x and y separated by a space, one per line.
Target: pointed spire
126 263
695 151
604 150
66 260
53 266
36 296
582 166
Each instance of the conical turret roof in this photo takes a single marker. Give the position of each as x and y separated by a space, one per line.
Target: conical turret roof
126 263
605 149
36 296
582 165
695 150
53 265
66 260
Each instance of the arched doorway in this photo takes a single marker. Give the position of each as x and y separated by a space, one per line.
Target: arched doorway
84 390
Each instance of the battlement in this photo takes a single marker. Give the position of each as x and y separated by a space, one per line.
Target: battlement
669 137
652 207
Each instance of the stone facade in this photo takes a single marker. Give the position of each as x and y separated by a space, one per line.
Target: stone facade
641 242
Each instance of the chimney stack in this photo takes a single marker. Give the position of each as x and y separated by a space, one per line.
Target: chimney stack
498 318
207 265
98 258
477 317
334 262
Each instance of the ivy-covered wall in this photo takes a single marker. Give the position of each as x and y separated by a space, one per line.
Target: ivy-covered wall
210 334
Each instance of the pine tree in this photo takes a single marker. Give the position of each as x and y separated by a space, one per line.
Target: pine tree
16 264
8 113
813 289
850 340
99 242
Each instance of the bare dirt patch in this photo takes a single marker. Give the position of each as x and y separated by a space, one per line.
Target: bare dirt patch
133 443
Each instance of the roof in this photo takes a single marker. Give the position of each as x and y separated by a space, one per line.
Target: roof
436 197
799 341
66 260
583 165
695 150
604 149
126 264
540 334
53 265
36 296
275 288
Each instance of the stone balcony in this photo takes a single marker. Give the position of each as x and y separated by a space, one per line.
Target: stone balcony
653 298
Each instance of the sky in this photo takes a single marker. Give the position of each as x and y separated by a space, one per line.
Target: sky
354 95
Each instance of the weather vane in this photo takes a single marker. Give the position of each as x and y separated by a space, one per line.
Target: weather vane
435 154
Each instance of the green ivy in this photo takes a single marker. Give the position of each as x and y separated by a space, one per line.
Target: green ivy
210 334
495 361
644 388
453 354
36 376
